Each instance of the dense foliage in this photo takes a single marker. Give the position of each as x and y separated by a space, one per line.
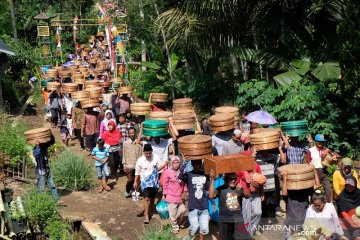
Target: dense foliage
71 171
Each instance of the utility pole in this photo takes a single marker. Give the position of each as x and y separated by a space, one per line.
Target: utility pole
13 20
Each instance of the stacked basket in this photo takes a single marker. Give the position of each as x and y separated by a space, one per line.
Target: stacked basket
195 146
125 90
234 111
155 128
141 108
183 119
69 87
299 176
41 135
182 104
265 140
294 128
222 122
159 97
161 115
80 95
53 86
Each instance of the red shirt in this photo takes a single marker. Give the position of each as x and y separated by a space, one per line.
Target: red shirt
241 176
112 137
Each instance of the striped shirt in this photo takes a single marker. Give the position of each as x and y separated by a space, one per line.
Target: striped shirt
123 128
295 154
267 166
102 154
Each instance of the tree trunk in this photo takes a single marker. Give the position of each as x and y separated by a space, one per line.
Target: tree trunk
143 45
167 53
13 20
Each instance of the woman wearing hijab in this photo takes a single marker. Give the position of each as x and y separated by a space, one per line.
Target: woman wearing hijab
112 138
345 170
173 188
109 117
348 200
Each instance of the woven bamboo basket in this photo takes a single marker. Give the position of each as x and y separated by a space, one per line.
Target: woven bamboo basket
141 108
84 54
42 135
51 73
182 104
98 72
95 95
77 63
125 90
161 115
93 60
92 83
69 87
300 176
294 128
159 97
265 140
117 80
105 84
261 130
82 46
195 146
155 128
64 73
186 113
80 95
228 110
90 103
53 86
100 34
221 122
87 49
183 124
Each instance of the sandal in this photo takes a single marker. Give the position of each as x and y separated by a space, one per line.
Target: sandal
100 190
107 188
146 221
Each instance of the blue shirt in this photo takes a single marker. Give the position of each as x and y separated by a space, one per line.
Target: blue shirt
102 154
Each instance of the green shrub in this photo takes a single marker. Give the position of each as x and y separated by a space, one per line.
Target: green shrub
55 149
159 232
12 140
39 207
71 171
57 230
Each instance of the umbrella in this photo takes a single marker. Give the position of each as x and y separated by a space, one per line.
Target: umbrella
261 117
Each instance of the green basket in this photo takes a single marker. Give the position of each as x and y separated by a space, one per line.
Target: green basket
155 124
155 132
294 128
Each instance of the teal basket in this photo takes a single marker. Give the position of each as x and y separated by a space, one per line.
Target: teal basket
155 124
294 128
155 132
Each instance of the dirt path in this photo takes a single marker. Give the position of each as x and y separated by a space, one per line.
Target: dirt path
114 213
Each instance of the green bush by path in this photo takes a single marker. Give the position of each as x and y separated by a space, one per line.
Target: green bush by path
57 230
71 171
39 207
159 232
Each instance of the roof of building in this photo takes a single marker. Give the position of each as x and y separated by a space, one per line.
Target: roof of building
41 16
5 49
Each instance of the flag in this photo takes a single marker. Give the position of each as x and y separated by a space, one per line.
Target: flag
58 52
75 22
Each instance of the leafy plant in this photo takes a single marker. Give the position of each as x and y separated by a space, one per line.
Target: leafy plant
39 207
159 232
71 171
57 230
12 140
56 149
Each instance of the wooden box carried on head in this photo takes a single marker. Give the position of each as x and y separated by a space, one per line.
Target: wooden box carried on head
229 163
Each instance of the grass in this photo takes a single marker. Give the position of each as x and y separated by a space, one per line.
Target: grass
158 232
72 171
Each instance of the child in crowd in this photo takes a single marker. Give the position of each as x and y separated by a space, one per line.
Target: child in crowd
101 156
230 198
173 188
66 127
197 184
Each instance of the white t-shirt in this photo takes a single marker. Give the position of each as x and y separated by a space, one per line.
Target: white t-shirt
68 104
144 167
162 149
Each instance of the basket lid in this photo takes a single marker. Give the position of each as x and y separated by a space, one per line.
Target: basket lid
221 117
227 109
297 168
37 130
182 100
195 139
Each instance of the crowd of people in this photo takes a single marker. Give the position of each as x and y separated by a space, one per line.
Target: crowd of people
154 169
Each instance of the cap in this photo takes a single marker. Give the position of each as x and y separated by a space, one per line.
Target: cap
237 132
350 181
320 138
148 147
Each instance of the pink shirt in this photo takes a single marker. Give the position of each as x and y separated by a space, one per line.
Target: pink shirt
173 188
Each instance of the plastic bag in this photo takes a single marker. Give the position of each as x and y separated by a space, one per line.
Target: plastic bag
163 210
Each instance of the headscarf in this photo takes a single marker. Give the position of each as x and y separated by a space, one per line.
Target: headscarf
172 160
346 162
112 137
349 200
106 121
